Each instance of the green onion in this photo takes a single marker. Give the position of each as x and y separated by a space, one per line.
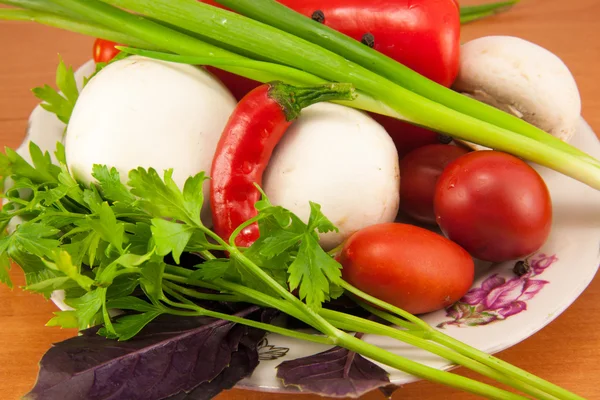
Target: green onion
252 36
275 14
236 31
473 13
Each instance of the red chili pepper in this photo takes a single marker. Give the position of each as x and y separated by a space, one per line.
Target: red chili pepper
424 35
104 50
255 127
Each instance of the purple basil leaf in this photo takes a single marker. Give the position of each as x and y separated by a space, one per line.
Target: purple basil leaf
336 372
171 355
242 364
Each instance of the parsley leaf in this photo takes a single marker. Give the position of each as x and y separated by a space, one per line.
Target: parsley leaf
128 326
164 199
31 237
11 163
170 237
87 306
62 262
4 270
318 221
110 184
151 280
311 271
64 319
60 104
211 270
107 226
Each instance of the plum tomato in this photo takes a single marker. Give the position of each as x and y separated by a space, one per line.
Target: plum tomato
407 266
419 172
494 205
104 50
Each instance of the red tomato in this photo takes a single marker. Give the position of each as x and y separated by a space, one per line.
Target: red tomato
496 206
419 172
104 50
407 266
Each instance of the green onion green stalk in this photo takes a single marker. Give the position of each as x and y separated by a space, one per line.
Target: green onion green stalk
388 87
474 13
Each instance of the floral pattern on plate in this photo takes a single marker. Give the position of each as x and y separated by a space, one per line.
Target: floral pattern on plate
498 298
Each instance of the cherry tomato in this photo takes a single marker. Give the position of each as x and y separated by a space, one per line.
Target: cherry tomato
104 50
407 266
419 172
496 206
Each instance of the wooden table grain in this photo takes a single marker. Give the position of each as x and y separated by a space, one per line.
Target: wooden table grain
566 352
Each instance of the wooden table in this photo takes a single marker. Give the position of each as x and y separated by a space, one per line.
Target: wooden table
567 352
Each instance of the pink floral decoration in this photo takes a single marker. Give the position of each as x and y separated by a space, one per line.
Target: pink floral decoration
499 298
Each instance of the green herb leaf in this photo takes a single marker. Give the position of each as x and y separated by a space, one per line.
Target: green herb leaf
107 226
110 184
60 154
164 199
74 191
65 81
63 263
128 326
12 164
4 270
151 280
60 104
92 199
278 243
318 221
31 237
87 306
131 303
140 237
311 271
64 319
42 161
170 237
212 269
122 286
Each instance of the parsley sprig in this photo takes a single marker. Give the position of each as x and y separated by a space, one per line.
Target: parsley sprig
116 251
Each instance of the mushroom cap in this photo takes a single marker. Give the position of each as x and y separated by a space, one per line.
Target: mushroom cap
521 78
343 160
140 112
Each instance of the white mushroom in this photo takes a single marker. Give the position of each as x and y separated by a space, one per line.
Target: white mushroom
341 159
523 79
143 112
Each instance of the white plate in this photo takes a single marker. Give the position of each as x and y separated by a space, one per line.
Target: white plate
504 309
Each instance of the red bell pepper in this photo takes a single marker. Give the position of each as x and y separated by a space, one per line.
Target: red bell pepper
424 35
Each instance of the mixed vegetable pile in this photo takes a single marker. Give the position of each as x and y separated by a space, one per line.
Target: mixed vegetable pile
237 167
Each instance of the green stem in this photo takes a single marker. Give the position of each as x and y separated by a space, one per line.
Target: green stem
404 364
73 25
202 296
502 366
472 13
243 226
368 350
345 321
295 98
199 311
271 72
393 309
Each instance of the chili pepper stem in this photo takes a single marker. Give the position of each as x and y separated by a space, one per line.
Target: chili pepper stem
294 98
